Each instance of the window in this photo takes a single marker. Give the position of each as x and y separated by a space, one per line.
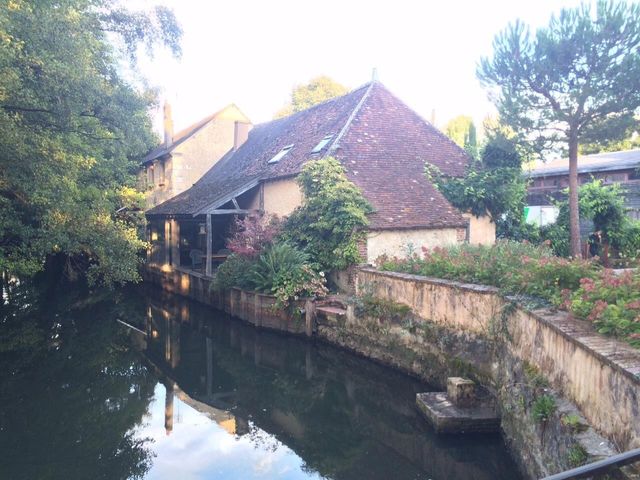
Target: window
278 156
323 143
151 176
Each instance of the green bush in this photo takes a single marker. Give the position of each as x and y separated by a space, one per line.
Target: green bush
281 270
543 408
234 272
332 219
516 268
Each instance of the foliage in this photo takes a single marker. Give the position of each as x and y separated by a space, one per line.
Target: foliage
73 128
284 271
573 422
571 83
281 270
493 185
234 272
630 141
462 131
516 268
250 235
331 221
534 376
604 205
543 408
577 456
556 235
611 302
306 96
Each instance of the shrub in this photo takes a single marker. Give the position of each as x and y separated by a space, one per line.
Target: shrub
516 268
252 234
332 218
543 408
234 272
611 302
577 456
284 271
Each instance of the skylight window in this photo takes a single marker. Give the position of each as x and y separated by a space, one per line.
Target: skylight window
278 156
323 143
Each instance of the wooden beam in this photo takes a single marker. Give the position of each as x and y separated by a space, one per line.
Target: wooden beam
207 270
231 211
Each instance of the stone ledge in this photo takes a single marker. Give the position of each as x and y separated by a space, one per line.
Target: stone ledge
449 418
472 287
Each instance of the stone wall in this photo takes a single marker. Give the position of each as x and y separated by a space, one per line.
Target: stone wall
600 375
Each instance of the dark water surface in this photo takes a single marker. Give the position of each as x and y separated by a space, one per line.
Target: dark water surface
189 394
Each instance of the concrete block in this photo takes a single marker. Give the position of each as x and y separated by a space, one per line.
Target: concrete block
461 391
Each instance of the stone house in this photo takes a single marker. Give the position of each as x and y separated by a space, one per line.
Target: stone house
183 158
382 144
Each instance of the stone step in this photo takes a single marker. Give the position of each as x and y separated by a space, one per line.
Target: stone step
449 418
333 311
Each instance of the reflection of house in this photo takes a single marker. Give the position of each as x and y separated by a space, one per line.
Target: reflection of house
549 181
383 146
184 157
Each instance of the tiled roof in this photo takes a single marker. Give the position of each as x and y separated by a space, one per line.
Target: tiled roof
381 142
384 153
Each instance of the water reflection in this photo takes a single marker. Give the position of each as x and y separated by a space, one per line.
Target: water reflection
184 392
327 413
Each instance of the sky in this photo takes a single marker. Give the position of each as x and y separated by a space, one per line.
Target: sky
253 52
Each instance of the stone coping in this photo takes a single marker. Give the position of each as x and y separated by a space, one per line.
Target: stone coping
615 353
472 287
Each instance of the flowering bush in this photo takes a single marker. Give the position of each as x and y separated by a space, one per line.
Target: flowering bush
517 268
252 234
611 302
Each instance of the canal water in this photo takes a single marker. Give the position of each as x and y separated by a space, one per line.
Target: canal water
133 384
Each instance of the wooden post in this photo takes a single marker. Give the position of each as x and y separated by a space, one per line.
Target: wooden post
310 312
207 270
175 243
167 242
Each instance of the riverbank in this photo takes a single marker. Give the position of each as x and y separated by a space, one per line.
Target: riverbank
529 361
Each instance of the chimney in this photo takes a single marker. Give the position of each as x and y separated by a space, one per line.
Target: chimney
168 125
240 134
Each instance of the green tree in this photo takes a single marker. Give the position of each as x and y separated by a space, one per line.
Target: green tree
462 131
576 81
316 91
72 131
331 221
493 185
630 141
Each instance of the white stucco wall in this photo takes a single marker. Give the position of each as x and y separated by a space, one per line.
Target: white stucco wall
482 231
395 242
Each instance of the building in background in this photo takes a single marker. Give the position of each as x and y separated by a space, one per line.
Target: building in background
383 146
549 181
180 161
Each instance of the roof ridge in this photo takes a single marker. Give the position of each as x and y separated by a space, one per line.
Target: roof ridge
313 107
336 141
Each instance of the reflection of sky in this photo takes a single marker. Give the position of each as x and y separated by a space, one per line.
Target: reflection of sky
200 448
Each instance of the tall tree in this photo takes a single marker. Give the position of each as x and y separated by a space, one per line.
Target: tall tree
316 91
71 131
462 130
576 81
